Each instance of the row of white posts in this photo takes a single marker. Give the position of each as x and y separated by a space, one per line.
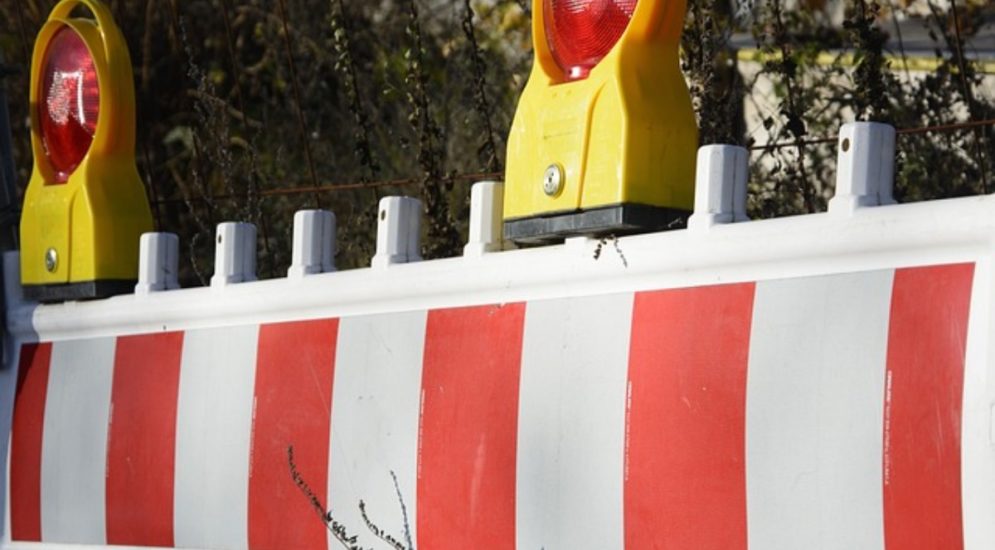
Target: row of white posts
865 174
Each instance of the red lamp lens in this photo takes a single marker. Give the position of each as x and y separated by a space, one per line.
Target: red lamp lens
582 32
68 102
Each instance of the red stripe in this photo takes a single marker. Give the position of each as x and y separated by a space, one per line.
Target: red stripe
26 438
925 380
293 407
685 478
142 439
469 426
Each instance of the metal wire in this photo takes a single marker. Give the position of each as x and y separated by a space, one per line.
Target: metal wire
786 144
331 188
948 127
483 176
901 131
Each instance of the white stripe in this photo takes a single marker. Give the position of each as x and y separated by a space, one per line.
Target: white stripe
977 435
213 428
814 414
571 423
375 402
74 441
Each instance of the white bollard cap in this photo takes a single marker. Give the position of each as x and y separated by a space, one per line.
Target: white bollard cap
865 167
158 263
398 232
235 254
720 186
314 243
486 223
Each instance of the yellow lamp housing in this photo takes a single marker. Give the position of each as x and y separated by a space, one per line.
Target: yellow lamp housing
85 206
606 147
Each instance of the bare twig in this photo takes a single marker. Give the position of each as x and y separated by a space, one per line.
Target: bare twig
968 95
377 531
24 37
404 511
337 529
297 99
346 65
901 40
253 206
795 122
443 236
488 149
153 190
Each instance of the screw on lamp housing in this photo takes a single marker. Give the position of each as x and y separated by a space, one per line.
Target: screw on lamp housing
552 180
51 260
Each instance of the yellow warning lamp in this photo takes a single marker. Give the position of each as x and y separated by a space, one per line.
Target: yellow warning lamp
604 139
85 207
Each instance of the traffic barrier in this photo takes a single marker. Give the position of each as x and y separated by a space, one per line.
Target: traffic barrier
816 381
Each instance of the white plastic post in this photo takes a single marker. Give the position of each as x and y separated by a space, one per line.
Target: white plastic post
486 224
720 186
234 254
398 232
314 243
865 167
158 263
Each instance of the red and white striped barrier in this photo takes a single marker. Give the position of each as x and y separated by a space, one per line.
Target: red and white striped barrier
813 412
824 381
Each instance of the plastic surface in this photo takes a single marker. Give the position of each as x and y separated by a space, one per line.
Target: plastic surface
93 222
820 381
702 415
626 134
865 167
69 102
582 32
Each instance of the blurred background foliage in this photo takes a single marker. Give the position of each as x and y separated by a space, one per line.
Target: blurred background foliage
251 109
